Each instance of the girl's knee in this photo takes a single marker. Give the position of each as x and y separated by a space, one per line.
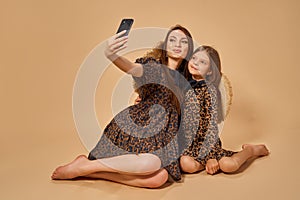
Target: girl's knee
187 164
228 164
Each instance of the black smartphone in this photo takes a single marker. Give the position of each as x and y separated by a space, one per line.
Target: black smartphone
125 25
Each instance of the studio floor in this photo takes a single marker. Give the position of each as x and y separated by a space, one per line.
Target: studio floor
43 45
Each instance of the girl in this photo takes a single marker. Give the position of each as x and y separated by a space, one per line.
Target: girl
205 152
123 152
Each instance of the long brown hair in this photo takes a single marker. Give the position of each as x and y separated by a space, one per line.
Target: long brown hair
160 53
214 78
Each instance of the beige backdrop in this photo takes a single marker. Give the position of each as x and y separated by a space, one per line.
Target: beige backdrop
43 43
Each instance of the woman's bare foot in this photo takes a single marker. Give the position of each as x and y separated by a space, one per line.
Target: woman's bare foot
71 170
257 150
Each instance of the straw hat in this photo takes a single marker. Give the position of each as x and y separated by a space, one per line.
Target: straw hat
226 94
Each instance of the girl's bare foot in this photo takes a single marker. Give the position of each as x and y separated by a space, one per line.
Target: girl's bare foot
71 170
257 150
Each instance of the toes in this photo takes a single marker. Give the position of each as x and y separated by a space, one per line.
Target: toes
267 151
262 150
54 174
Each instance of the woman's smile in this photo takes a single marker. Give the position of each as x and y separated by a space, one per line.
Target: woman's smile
177 51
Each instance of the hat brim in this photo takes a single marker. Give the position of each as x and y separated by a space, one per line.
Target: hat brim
225 88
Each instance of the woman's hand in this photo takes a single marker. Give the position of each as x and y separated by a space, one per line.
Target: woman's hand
137 100
212 166
115 44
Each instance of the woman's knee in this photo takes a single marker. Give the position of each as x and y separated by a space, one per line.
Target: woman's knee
149 162
157 180
228 164
187 164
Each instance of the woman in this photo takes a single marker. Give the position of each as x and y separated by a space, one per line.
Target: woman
113 157
205 152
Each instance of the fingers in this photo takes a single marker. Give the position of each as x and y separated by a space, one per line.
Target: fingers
119 47
212 170
119 34
113 41
137 100
115 45
212 166
116 41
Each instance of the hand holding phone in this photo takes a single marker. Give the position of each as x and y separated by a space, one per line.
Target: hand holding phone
117 42
125 25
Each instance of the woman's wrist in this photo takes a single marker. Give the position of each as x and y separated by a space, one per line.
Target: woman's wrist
112 57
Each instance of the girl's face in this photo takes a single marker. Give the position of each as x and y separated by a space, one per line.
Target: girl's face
199 65
177 45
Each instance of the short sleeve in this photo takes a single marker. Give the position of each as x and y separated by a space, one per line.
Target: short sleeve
151 71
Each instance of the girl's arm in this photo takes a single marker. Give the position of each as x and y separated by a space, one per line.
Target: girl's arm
210 143
116 44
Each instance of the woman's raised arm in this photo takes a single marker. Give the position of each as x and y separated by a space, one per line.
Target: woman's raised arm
115 44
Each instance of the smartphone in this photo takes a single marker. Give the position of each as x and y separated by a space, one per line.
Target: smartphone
125 25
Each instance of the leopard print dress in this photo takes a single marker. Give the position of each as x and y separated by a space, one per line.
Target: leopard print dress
206 144
150 126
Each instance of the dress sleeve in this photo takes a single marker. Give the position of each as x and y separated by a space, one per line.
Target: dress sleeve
151 72
189 120
208 127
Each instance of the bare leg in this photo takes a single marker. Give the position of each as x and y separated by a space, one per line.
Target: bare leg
233 163
130 164
190 165
153 180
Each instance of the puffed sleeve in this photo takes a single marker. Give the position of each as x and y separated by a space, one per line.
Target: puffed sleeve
151 71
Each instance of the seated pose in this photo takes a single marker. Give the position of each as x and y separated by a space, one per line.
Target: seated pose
205 151
137 147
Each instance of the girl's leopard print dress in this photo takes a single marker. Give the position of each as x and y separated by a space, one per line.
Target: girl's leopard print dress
206 144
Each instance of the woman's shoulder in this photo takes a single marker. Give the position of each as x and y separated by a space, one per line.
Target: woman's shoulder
147 60
151 68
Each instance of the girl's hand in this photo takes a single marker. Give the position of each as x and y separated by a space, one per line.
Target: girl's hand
115 44
212 166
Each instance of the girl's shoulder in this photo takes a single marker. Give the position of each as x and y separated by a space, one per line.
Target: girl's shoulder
197 84
202 87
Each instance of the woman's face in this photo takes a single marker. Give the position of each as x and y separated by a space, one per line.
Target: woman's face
177 45
199 65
